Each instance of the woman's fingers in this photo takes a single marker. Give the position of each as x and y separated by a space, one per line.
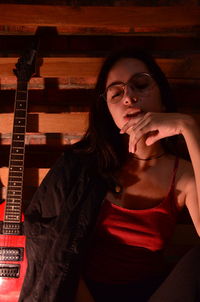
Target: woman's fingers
131 123
153 126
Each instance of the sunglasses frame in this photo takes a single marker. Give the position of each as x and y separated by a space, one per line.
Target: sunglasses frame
124 85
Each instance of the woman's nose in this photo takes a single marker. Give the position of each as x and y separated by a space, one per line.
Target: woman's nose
129 97
130 100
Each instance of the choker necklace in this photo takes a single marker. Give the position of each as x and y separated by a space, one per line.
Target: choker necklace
149 158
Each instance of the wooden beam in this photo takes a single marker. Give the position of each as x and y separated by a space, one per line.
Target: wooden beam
52 45
102 20
42 139
30 173
77 70
72 123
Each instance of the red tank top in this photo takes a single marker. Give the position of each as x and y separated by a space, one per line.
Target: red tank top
128 240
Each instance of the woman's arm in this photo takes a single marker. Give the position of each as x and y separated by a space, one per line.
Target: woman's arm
191 133
83 294
162 125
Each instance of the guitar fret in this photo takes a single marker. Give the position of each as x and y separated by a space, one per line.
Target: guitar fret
16 172
13 192
18 137
17 152
16 193
19 130
13 212
14 201
14 175
17 144
21 105
20 113
15 204
14 183
16 163
17 179
18 126
15 188
9 195
17 157
16 147
19 122
12 218
12 209
19 140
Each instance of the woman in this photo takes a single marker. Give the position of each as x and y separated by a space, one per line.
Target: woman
97 226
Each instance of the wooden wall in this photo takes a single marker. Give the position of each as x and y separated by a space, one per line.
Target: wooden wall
74 40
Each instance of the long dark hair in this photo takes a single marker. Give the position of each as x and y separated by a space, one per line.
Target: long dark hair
102 137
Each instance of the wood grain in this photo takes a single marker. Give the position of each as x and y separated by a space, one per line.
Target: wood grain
92 20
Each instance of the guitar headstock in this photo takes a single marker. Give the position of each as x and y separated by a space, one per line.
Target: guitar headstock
26 65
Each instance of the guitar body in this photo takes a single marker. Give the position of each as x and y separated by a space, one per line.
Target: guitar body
13 264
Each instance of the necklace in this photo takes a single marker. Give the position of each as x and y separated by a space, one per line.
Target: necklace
150 157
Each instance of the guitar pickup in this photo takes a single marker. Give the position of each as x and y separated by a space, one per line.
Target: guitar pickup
9 270
11 253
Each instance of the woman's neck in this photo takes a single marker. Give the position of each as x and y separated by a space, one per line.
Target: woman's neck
145 156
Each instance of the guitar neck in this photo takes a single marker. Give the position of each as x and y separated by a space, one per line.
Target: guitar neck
12 215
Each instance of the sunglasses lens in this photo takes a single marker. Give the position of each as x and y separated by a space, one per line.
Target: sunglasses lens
141 83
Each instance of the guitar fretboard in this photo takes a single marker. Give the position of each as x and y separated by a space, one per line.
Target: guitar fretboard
12 216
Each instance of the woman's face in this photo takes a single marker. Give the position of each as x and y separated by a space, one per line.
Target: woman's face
131 103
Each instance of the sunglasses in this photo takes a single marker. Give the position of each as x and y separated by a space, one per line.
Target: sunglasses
141 83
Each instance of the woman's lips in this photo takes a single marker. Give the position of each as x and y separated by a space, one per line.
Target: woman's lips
131 115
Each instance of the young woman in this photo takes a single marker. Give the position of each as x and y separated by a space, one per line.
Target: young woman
97 226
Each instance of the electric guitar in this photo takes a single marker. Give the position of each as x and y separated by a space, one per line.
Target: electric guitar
13 261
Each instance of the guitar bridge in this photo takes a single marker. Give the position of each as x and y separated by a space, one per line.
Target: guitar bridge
11 253
9 270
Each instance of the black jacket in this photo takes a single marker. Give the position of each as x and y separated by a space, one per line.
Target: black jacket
58 223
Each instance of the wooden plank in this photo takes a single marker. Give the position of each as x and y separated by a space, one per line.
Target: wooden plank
78 70
59 84
73 123
67 100
36 156
52 44
41 139
78 100
32 177
90 20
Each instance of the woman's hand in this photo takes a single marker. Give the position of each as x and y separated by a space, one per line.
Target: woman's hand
155 126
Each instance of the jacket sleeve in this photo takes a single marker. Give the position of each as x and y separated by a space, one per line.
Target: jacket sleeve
42 226
58 221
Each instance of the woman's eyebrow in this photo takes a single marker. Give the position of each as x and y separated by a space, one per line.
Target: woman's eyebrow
115 83
121 82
